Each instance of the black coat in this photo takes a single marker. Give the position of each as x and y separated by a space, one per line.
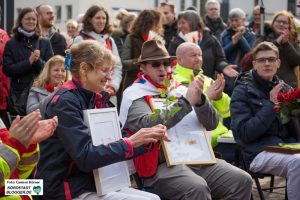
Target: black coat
253 122
58 43
214 59
16 59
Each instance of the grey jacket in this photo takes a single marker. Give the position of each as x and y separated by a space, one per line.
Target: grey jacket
38 99
139 115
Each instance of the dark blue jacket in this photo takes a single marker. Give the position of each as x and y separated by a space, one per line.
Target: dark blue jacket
235 52
69 154
253 121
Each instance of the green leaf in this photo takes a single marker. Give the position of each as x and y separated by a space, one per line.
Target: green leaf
298 30
173 111
295 112
172 98
167 82
155 114
162 92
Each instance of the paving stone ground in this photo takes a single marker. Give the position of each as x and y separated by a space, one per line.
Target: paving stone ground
277 194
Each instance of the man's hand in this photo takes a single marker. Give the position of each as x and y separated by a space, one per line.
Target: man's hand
230 71
238 34
215 90
195 90
149 135
274 92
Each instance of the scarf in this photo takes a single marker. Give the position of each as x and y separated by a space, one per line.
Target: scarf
49 87
27 34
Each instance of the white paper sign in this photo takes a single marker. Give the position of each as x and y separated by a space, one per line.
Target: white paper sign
105 128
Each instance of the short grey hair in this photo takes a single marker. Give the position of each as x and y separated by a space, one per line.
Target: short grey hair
216 2
237 12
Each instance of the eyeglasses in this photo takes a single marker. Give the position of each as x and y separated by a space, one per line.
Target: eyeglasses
282 22
263 60
157 64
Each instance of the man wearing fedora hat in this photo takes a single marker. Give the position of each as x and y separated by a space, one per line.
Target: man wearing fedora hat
180 181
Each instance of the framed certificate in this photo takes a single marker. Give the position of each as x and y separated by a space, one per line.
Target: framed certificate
189 141
105 128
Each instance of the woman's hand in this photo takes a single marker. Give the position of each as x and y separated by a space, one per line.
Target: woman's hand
24 129
149 135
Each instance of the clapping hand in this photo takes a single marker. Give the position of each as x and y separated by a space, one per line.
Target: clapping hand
215 90
195 90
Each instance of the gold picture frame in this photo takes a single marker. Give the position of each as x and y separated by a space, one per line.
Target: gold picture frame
189 141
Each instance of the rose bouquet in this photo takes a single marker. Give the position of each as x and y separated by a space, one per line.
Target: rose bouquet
288 104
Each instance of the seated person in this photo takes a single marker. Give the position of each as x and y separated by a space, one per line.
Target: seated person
19 147
50 79
189 60
69 157
180 181
255 124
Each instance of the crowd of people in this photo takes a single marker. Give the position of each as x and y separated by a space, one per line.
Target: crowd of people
226 75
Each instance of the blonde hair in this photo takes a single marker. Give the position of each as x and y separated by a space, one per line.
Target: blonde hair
90 52
44 76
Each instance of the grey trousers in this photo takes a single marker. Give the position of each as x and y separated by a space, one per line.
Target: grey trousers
218 181
284 165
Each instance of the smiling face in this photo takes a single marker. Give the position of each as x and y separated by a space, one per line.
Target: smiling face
266 63
168 15
99 21
236 22
29 21
281 23
184 26
95 77
158 73
57 74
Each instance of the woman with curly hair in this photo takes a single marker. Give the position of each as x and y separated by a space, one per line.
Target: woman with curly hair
282 33
145 27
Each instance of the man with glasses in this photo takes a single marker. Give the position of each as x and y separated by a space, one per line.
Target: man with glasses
220 180
255 124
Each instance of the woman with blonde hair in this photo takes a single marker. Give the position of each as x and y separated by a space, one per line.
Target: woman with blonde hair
282 33
50 79
69 157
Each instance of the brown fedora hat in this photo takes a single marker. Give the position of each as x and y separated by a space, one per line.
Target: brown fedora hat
154 50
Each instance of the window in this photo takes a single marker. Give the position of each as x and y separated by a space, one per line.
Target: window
182 4
195 3
58 13
69 11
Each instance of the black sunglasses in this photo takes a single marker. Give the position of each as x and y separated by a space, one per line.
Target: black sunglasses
157 64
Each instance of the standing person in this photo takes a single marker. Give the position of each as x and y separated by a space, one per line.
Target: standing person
48 82
237 40
72 32
47 20
96 26
19 151
214 59
69 157
213 19
282 33
219 180
255 23
24 57
256 125
4 84
169 21
147 22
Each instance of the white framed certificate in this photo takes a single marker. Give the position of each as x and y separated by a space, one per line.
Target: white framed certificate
105 128
189 143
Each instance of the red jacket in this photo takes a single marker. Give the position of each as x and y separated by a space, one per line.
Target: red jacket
4 83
